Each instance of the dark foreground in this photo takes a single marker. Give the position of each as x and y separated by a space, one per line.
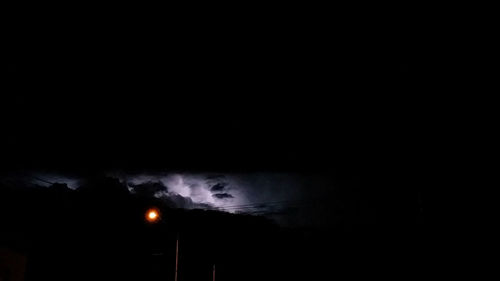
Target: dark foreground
75 235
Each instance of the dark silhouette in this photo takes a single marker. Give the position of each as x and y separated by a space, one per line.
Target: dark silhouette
99 232
148 189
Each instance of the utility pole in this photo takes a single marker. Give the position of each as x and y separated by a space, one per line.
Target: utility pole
213 276
176 256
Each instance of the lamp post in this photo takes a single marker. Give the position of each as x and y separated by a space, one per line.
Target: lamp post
153 216
176 256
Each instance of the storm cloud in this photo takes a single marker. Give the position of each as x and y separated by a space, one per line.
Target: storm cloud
263 193
148 189
223 195
218 187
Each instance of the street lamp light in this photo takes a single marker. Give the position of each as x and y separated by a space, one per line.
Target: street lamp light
153 215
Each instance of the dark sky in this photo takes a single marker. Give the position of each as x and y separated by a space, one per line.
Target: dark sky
328 96
326 120
146 114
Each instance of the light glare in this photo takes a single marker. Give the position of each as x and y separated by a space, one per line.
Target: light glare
152 215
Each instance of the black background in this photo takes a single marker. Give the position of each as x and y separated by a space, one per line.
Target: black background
285 90
339 91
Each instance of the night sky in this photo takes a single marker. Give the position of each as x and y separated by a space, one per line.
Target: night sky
265 136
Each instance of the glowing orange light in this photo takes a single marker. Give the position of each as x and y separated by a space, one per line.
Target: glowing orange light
152 215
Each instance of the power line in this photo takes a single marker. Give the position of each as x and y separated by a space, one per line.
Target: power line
42 180
259 204
268 206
